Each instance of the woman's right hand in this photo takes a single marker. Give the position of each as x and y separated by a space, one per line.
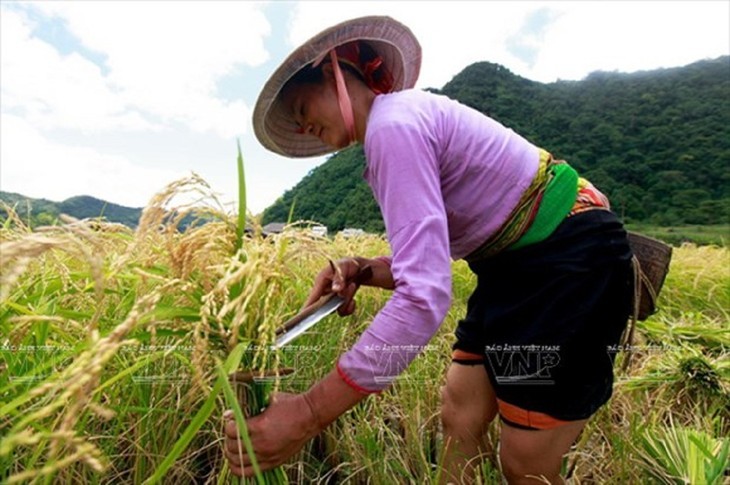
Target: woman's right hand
341 277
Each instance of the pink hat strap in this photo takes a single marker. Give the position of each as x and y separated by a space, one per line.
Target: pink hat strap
343 98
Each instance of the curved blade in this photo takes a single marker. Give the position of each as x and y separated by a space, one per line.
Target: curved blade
308 318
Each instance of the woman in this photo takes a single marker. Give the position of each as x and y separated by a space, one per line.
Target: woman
552 262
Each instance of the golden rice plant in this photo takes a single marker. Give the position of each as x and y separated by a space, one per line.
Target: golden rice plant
89 311
116 345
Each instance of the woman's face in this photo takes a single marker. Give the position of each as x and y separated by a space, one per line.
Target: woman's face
315 109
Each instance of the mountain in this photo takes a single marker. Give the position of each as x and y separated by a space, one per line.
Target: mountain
43 212
656 142
333 193
85 206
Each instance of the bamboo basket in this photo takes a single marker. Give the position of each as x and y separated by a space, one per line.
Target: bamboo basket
651 265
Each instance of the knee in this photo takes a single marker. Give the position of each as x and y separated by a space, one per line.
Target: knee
526 455
522 466
462 418
514 468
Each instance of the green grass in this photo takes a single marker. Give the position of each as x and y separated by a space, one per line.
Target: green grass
718 234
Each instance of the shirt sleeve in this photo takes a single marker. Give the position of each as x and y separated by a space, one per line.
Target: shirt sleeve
403 172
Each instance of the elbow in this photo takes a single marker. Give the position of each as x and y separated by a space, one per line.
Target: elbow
430 303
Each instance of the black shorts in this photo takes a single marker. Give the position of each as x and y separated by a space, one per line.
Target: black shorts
545 317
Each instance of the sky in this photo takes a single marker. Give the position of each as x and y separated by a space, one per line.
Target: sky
118 99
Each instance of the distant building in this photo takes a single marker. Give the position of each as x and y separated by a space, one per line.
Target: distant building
349 232
318 231
273 228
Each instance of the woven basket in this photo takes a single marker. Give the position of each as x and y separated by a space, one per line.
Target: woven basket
653 259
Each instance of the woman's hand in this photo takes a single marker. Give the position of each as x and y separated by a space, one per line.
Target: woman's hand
276 434
340 277
287 424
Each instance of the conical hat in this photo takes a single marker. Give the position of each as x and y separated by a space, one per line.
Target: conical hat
392 41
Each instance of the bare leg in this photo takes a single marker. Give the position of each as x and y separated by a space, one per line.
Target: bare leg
468 406
535 456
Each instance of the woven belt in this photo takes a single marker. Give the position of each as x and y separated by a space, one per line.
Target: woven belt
541 208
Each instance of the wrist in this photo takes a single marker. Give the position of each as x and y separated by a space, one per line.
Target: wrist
330 398
317 425
382 275
386 260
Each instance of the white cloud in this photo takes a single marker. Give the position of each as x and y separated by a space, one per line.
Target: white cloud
44 169
167 56
631 36
52 90
164 60
582 36
452 34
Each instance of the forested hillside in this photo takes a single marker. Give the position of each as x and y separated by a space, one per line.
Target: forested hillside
657 142
39 212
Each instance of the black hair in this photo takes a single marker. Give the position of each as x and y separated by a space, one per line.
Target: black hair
315 75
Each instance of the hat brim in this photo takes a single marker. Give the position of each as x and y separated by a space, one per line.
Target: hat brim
394 42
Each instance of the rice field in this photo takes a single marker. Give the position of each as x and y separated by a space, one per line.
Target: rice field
120 350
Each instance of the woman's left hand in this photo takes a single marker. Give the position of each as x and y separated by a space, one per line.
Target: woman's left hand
339 277
276 434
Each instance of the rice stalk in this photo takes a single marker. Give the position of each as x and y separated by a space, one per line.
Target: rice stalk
83 451
16 256
13 223
72 390
241 226
679 455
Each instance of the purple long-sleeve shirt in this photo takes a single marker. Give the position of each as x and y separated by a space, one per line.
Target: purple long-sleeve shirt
446 177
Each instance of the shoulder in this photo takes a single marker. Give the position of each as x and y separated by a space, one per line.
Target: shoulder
398 116
411 111
421 109
408 103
